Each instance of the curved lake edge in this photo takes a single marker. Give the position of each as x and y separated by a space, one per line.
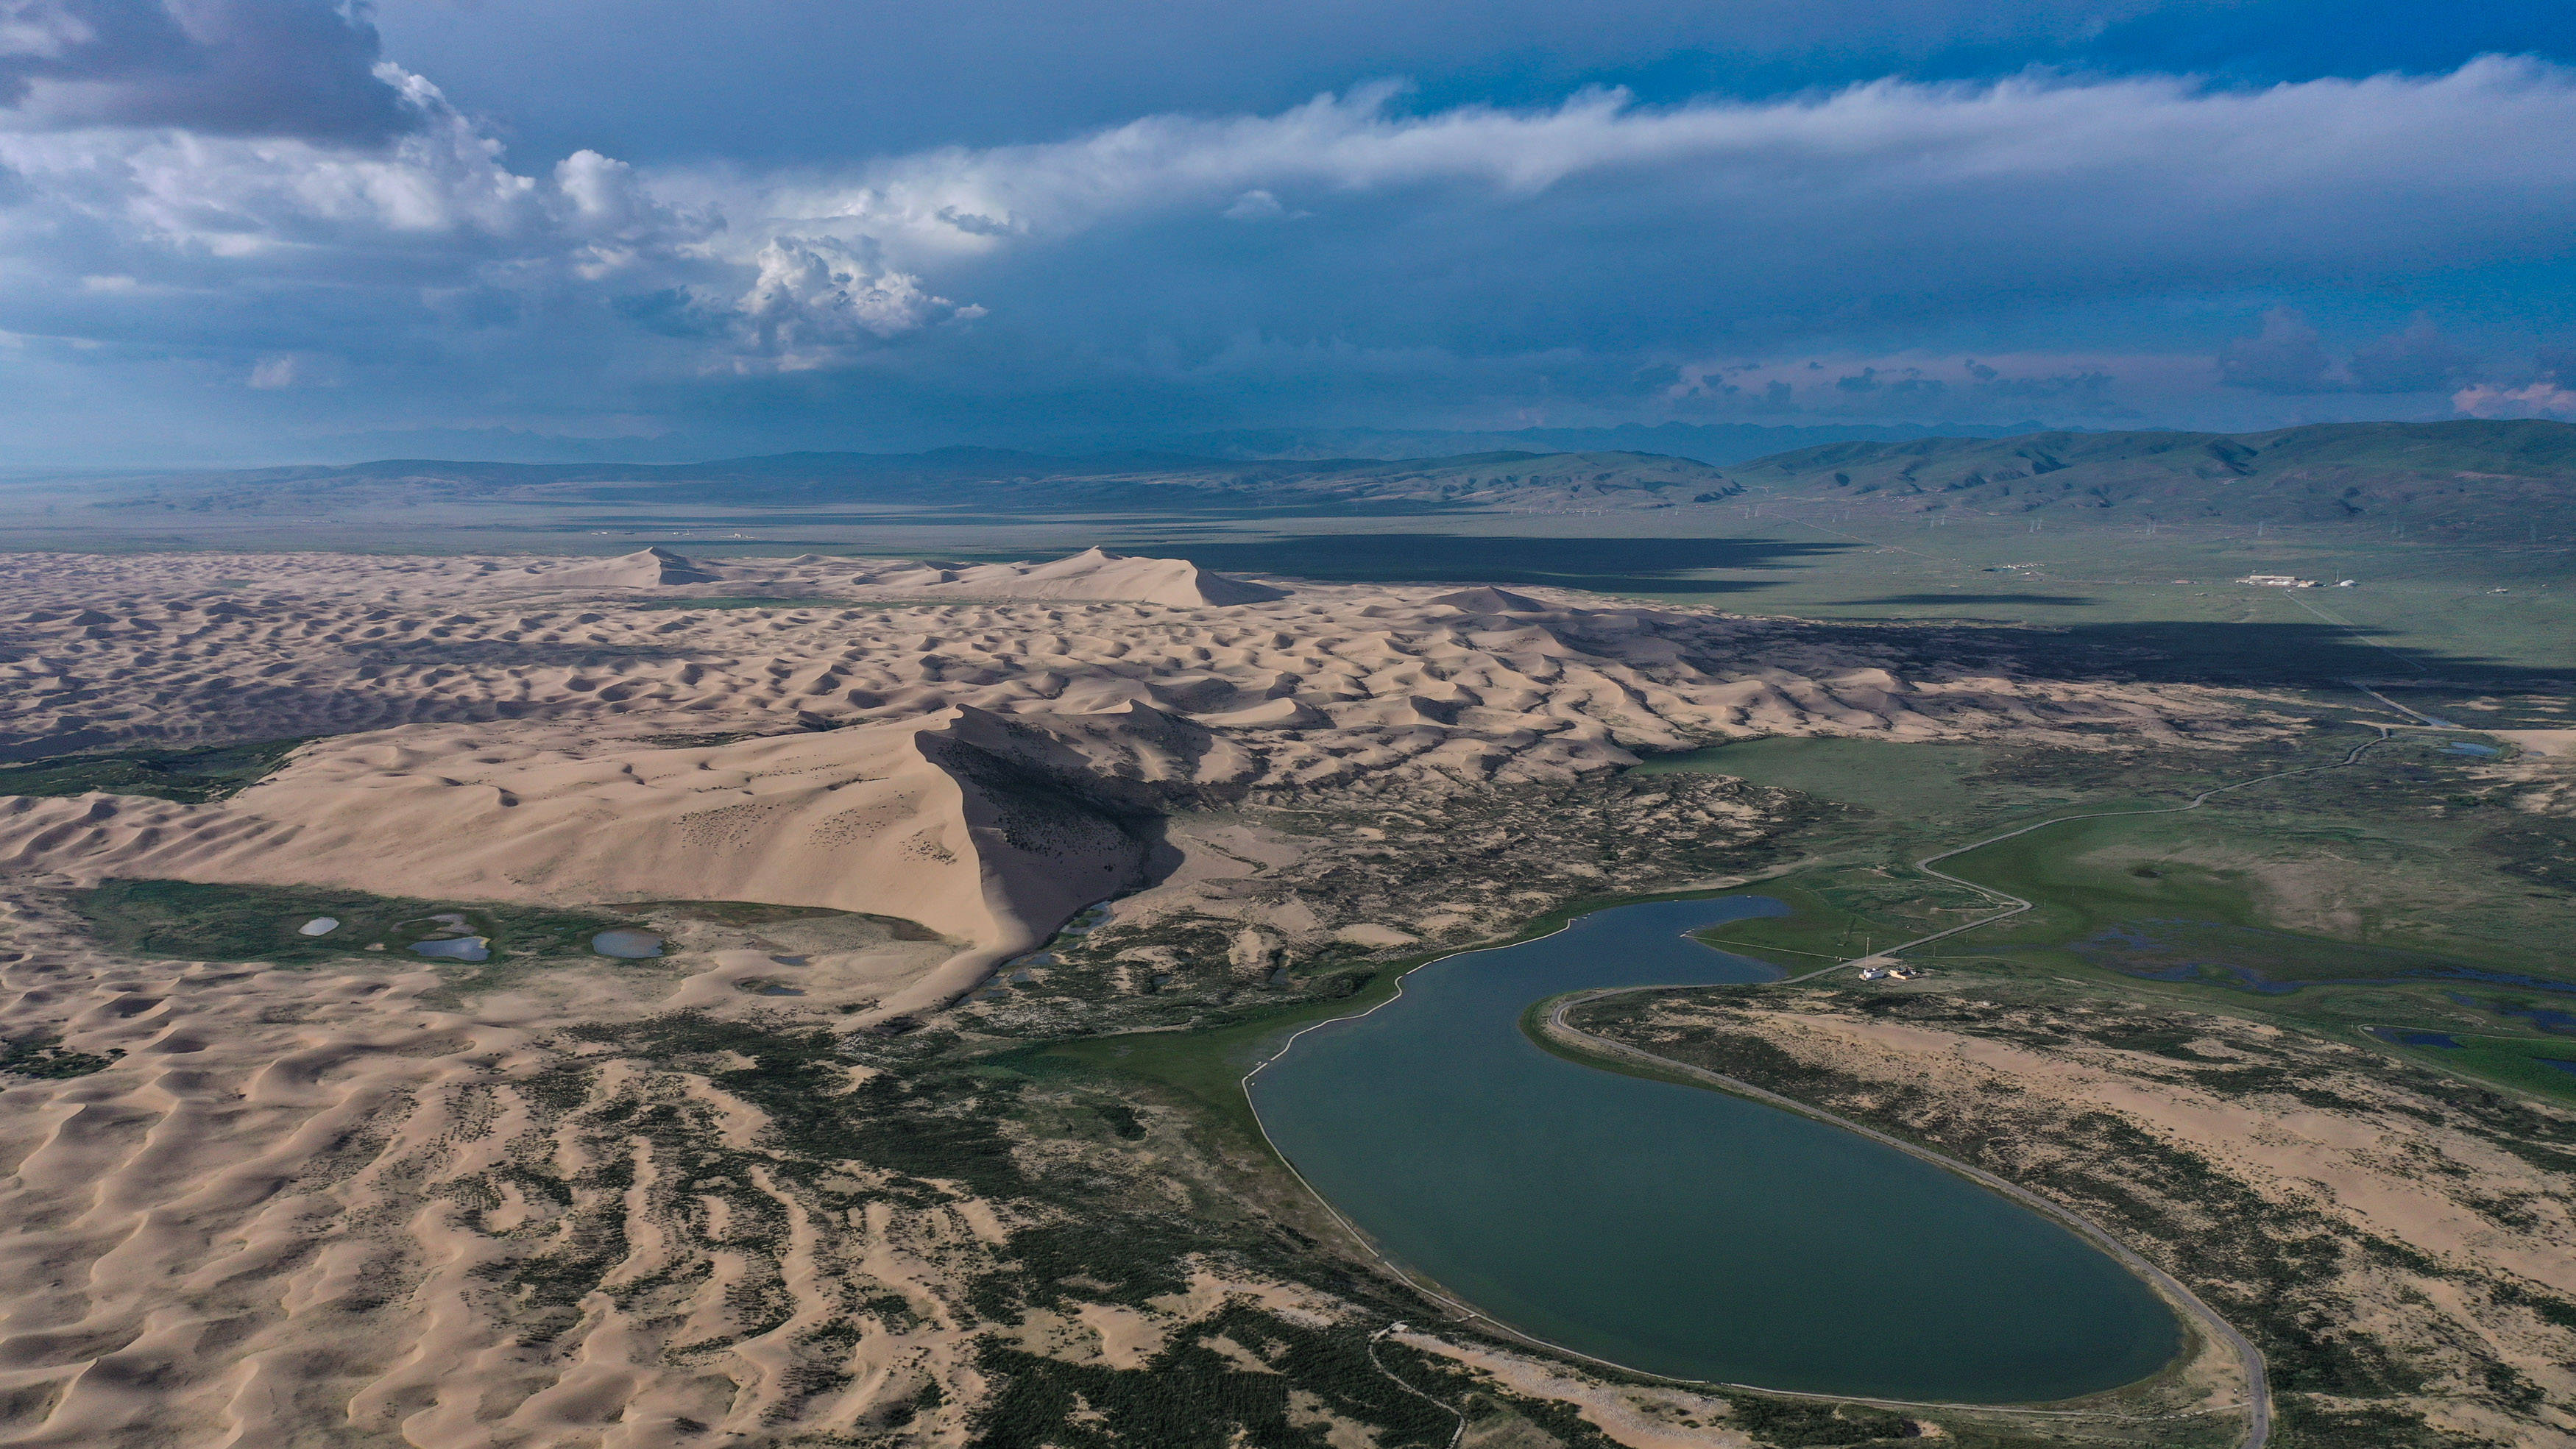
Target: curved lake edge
1545 1023
2202 1326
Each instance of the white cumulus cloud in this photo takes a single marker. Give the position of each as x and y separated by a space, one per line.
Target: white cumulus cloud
816 298
2532 400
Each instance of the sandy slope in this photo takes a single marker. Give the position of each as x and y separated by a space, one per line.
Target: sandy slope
1094 573
934 820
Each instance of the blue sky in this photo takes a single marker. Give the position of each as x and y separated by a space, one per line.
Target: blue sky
268 230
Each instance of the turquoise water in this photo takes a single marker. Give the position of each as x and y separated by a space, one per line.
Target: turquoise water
1678 1230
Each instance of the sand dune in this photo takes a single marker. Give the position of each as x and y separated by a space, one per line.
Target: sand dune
969 823
1490 600
643 569
295 1211
1094 573
1327 685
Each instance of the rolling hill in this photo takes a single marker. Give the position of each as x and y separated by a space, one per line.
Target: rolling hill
2466 479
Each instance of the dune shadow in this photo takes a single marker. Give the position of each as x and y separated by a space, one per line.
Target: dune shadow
1605 565
2171 652
1934 600
461 652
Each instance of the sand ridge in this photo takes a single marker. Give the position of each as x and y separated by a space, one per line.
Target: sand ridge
1094 573
1331 682
918 819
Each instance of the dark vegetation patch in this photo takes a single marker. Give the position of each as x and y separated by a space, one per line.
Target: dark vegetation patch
191 920
2538 848
40 1055
1799 1423
1192 1397
760 913
189 776
940 1123
2302 1423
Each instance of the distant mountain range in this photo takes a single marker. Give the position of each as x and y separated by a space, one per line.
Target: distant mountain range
1718 443
966 478
2469 479
2463 479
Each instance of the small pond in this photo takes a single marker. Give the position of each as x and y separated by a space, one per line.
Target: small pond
627 945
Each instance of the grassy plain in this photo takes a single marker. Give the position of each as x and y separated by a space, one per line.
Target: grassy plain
191 776
2401 891
201 922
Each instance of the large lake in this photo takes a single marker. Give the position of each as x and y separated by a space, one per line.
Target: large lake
1678 1230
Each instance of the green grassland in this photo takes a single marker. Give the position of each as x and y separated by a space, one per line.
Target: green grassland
2401 891
195 921
2488 480
190 776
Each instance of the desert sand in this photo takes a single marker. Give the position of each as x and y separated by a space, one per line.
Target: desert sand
280 1215
550 730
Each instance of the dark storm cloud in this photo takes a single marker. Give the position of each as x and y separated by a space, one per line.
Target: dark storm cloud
2419 359
240 209
303 68
2289 357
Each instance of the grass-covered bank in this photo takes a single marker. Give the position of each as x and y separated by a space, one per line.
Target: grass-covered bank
1208 1063
199 921
191 776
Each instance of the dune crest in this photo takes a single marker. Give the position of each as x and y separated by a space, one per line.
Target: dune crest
646 568
1095 573
1491 600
